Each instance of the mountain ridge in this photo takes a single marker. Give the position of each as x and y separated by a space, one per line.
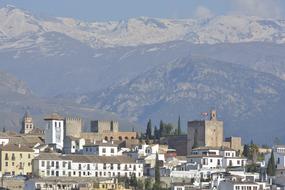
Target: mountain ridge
145 30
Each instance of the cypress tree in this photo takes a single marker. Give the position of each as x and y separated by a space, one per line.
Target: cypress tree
156 133
271 169
246 151
148 133
179 127
161 129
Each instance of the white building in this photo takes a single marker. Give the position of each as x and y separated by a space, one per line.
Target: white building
216 157
73 145
181 186
56 165
54 132
103 148
236 185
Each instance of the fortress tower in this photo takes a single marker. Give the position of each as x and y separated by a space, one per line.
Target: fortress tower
73 126
205 132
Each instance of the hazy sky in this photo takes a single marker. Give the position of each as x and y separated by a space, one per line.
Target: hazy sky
122 9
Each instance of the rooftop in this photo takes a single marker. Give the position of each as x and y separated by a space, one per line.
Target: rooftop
86 158
16 148
223 148
54 116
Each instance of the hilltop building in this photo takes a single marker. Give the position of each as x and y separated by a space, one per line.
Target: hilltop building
99 126
27 124
205 132
73 126
107 130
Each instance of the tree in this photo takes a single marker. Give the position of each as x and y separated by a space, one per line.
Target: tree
133 181
161 129
156 133
179 127
253 152
147 184
271 169
168 129
140 185
246 151
157 171
148 133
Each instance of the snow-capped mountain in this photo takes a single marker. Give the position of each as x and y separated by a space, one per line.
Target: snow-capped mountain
18 28
135 68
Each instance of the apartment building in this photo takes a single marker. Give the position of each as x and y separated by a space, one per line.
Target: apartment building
56 165
16 159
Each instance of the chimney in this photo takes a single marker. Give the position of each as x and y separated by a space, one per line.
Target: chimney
19 145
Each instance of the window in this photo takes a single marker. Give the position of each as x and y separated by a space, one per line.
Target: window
231 163
43 163
79 166
13 163
21 155
104 150
112 167
13 156
29 156
112 150
211 160
6 156
29 163
119 166
104 166
52 164
6 163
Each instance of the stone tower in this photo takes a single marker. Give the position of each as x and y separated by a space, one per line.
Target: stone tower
27 124
73 126
205 132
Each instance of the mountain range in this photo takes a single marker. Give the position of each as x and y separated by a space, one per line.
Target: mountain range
144 68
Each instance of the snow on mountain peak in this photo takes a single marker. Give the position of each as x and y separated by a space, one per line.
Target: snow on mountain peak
144 30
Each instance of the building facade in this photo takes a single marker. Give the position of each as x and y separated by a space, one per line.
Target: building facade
56 165
54 132
16 159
